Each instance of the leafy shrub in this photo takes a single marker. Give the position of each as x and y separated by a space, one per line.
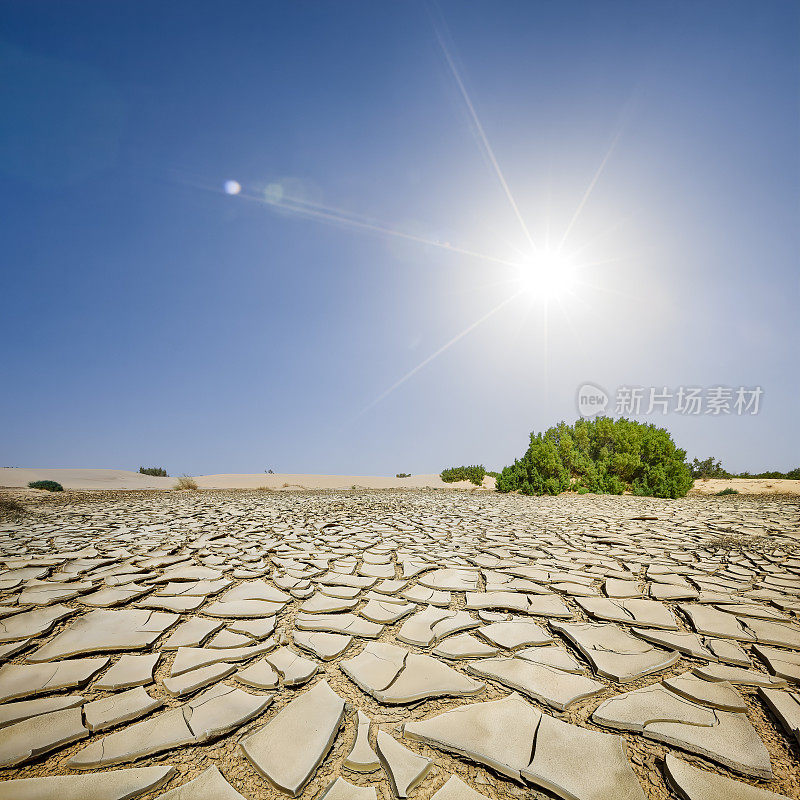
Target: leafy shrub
728 490
476 473
602 456
50 486
158 472
185 482
403 475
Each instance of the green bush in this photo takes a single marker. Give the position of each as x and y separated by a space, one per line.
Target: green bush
403 475
476 473
49 486
158 472
729 490
604 456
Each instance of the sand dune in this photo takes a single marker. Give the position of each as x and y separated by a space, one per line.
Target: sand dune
123 479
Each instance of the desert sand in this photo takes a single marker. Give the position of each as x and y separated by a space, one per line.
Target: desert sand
761 486
13 477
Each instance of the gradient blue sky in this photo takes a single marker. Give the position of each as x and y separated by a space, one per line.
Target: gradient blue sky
149 318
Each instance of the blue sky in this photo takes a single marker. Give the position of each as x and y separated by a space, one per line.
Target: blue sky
151 318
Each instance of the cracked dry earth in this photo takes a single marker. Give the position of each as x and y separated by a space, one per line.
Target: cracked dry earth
399 644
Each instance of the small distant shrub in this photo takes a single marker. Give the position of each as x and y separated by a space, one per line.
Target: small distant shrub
475 474
729 490
708 468
49 486
156 472
403 475
185 482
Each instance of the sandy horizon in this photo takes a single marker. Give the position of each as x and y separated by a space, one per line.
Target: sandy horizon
99 479
80 478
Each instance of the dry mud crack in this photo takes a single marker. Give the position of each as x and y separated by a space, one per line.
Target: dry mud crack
380 644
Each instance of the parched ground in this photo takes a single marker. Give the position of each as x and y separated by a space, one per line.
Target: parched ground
579 646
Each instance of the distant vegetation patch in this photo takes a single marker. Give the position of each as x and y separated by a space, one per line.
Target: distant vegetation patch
711 468
185 482
604 456
729 490
475 474
48 486
791 475
403 475
156 472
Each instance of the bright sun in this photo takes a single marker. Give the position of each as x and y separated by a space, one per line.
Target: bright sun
548 275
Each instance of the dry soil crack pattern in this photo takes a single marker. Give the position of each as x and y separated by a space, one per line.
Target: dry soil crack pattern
364 644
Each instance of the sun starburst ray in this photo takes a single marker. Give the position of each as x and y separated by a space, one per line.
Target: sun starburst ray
590 188
481 133
311 210
422 364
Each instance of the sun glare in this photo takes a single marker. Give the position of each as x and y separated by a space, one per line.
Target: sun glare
548 275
